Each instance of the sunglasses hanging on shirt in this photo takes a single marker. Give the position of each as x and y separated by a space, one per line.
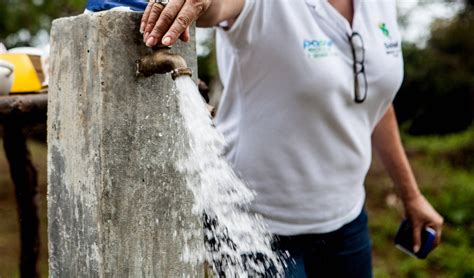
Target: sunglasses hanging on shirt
360 77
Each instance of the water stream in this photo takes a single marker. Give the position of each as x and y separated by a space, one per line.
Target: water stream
237 242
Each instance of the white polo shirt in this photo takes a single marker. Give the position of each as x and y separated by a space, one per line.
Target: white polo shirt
294 132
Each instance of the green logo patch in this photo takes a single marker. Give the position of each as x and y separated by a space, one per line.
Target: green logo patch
384 29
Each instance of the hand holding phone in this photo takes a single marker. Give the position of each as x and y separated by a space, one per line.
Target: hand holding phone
404 240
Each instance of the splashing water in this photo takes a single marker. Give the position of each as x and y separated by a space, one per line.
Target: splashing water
237 242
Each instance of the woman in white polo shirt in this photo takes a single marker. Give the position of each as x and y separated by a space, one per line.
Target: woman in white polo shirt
308 92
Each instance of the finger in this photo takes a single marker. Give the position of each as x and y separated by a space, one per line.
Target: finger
185 37
437 239
156 10
439 231
165 21
416 238
145 16
184 19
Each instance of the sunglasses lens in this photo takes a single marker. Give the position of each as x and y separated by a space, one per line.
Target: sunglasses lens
358 45
360 87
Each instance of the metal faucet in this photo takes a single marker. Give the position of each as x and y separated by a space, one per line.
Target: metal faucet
163 61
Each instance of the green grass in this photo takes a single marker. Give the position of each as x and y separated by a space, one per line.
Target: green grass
439 144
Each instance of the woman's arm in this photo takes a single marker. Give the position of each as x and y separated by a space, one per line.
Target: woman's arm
387 144
219 11
167 24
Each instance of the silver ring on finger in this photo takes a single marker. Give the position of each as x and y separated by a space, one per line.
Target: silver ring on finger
161 2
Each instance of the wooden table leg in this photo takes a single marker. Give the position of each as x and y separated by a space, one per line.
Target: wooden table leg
24 177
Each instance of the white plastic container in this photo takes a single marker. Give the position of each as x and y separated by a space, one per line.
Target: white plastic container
6 77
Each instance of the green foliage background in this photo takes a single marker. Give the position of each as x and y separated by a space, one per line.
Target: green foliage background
33 16
436 101
437 96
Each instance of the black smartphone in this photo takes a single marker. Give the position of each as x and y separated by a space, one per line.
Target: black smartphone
404 240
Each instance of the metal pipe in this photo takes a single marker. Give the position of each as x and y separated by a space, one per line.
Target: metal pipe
161 62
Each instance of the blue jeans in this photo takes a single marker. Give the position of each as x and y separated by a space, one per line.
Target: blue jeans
342 253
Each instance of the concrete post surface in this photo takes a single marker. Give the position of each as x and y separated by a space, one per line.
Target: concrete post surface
117 206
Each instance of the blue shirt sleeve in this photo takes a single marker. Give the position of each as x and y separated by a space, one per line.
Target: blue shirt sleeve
102 5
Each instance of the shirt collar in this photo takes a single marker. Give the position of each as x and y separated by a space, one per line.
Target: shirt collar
323 9
316 5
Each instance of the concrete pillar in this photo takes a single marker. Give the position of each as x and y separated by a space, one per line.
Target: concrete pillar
117 206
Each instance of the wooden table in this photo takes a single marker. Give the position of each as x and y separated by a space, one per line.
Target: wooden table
16 113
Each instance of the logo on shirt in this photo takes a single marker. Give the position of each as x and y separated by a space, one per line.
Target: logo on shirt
383 27
316 49
392 46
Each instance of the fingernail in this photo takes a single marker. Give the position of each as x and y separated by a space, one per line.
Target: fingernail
145 37
416 248
166 41
150 42
142 28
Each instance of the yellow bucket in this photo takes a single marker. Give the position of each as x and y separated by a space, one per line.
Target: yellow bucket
28 72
